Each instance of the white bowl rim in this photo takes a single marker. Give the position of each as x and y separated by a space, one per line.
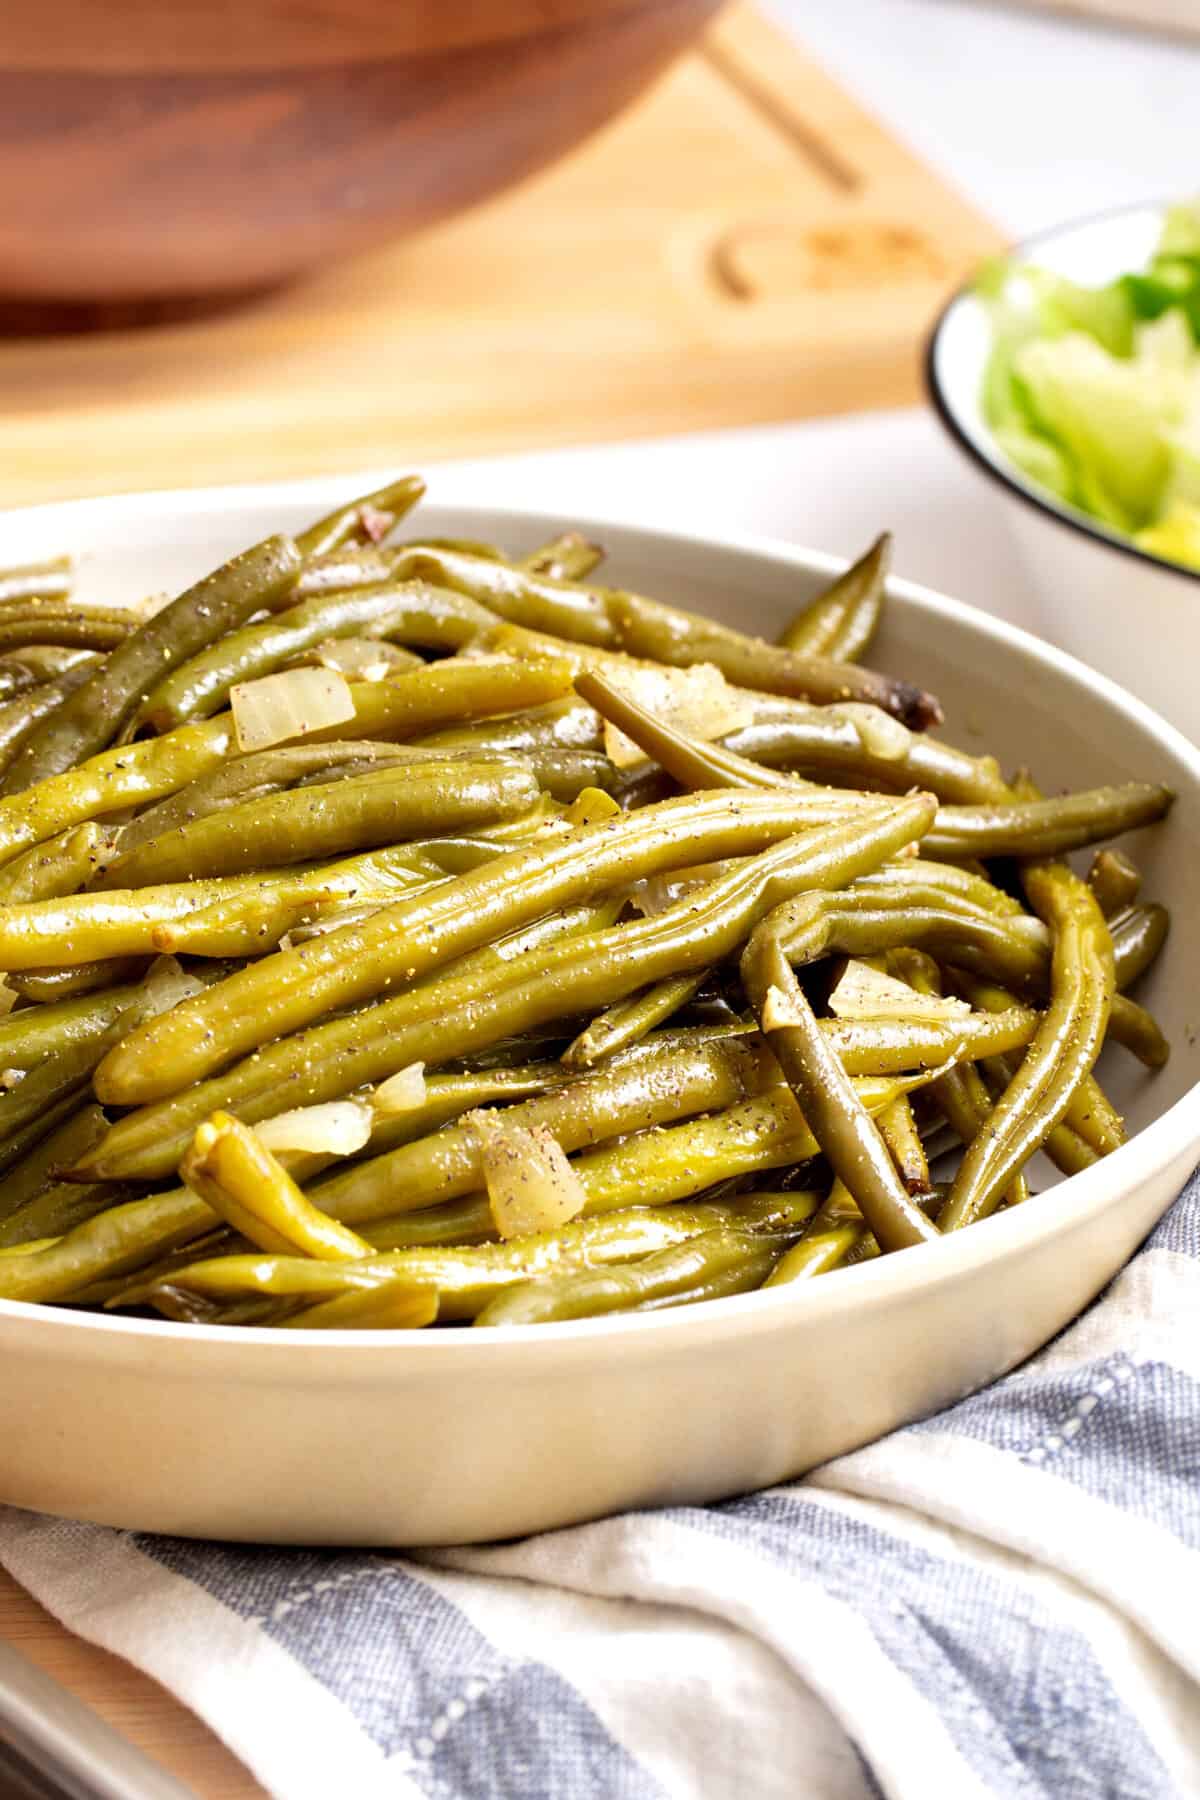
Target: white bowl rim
1004 1238
983 452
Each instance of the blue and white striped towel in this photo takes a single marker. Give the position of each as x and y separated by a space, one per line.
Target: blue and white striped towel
1003 1600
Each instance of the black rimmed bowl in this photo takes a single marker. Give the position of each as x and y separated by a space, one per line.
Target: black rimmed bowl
1126 613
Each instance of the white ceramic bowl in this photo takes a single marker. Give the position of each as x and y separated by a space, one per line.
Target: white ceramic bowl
1129 614
457 1435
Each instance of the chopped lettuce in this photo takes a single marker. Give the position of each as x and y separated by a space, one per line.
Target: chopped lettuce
1094 393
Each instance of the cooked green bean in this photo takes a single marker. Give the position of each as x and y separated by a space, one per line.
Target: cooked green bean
288 992
450 1017
898 1129
28 623
947 884
750 1137
1138 934
53 579
365 813
465 1279
414 613
864 921
606 618
15 1148
133 774
43 662
53 1081
1065 1147
449 1095
842 621
246 1186
370 517
62 1146
36 1033
569 724
1115 881
14 679
1047 827
651 1167
249 777
888 1046
651 1089
20 717
1063 1052
843 1127
60 866
1138 1032
49 985
460 545
92 1025
456 688
1090 1111
341 571
708 1266
825 740
94 714
815 1254
82 928
631 1020
136 1233
114 1242
827 743
228 927
395 1305
57 1209
960 1092
566 558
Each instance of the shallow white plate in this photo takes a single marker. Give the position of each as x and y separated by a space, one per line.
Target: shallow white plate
1127 613
451 1436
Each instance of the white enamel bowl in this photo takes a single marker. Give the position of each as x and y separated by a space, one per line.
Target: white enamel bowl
1124 612
451 1436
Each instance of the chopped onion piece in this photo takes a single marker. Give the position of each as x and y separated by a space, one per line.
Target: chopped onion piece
288 705
401 1092
338 1128
862 992
10 1078
879 734
591 807
167 984
531 1186
779 1009
697 700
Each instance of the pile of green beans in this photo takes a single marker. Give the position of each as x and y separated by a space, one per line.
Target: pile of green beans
746 1004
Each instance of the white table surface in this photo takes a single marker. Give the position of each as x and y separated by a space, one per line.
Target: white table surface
1038 119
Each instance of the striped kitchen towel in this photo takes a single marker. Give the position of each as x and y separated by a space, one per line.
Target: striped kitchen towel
1003 1600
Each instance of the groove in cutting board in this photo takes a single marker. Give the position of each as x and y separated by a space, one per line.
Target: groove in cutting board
784 115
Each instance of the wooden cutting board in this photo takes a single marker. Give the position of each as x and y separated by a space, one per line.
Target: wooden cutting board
745 245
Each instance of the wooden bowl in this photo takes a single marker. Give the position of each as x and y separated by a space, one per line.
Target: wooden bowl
217 146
